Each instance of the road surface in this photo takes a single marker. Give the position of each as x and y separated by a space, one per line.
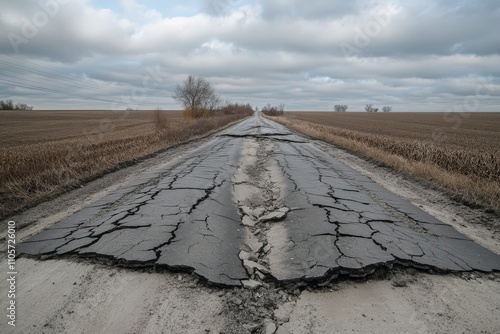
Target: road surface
259 203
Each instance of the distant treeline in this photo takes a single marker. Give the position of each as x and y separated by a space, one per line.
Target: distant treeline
199 98
273 111
9 105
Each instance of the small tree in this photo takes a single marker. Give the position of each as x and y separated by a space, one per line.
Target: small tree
214 104
340 107
281 109
236 108
9 105
273 111
387 109
160 120
23 107
197 96
370 108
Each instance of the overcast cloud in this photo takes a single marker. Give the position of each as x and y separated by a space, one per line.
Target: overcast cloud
425 55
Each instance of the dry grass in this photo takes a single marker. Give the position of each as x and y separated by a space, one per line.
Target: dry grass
160 119
46 152
462 157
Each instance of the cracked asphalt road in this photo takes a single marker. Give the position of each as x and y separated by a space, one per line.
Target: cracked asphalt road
260 203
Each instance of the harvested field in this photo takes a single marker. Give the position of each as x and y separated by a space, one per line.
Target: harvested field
458 152
45 152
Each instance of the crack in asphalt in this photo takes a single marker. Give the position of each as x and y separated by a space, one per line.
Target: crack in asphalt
272 136
260 203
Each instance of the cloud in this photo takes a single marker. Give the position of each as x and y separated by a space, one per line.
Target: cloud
416 52
74 30
132 6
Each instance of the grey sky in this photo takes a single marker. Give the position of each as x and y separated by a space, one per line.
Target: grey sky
426 55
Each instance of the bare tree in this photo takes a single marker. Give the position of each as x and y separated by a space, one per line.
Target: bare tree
281 109
9 105
160 120
236 108
23 107
214 104
197 95
340 107
274 111
387 109
370 108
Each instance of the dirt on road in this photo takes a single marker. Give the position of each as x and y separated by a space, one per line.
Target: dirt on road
75 295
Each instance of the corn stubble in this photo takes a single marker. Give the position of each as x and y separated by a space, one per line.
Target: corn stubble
463 157
44 156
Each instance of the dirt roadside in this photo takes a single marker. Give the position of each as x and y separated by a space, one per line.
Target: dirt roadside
82 296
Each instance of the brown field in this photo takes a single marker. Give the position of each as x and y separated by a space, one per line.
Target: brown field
458 152
43 153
